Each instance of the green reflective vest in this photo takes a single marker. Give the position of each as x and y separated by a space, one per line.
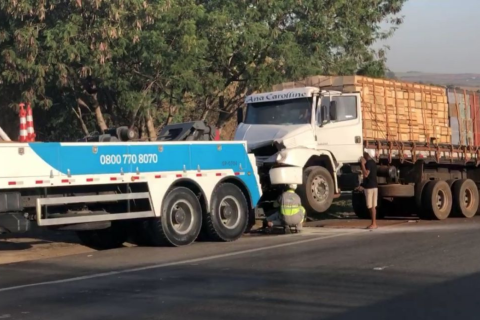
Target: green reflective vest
290 203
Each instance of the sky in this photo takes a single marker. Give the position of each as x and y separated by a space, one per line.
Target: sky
440 36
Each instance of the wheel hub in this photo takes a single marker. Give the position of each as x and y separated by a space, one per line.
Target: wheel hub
319 189
440 200
182 217
229 212
179 216
468 198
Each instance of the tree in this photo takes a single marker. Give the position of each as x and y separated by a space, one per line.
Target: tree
256 44
69 52
148 63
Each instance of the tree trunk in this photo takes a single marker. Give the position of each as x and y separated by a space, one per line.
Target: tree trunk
84 126
142 129
170 115
152 132
205 114
100 120
78 113
99 114
223 118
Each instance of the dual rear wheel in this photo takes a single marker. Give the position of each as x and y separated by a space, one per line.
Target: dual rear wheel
435 200
440 199
182 220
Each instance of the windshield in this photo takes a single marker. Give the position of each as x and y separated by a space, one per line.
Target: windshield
284 112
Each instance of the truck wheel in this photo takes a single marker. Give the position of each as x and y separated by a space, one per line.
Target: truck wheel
228 218
181 220
437 200
419 189
138 233
317 189
109 238
386 208
450 183
465 198
359 205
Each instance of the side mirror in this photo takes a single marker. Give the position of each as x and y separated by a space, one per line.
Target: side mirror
239 115
333 110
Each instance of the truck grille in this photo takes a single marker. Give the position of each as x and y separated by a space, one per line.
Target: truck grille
265 151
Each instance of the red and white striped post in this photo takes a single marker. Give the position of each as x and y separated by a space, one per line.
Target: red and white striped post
30 129
23 123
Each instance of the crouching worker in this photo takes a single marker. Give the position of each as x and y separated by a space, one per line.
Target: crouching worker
290 213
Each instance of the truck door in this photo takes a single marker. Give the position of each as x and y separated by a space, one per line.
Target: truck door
339 126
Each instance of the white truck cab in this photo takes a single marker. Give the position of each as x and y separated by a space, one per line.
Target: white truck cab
303 136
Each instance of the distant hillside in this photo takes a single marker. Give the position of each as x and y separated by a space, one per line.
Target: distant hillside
469 81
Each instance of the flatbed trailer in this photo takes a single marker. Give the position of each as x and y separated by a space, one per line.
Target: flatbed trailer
158 193
318 129
433 181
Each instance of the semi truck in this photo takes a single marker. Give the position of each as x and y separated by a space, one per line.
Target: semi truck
109 189
318 137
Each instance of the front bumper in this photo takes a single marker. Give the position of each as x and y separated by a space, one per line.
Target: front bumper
286 175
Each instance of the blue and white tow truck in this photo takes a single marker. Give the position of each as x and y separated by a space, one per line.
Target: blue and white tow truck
158 193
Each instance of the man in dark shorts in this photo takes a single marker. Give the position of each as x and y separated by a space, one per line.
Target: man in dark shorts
370 186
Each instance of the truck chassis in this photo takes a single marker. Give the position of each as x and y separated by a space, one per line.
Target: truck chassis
434 181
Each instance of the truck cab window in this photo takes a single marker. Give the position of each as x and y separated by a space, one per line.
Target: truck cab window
346 108
284 112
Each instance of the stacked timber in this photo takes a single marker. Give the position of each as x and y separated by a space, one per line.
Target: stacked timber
475 109
464 117
392 110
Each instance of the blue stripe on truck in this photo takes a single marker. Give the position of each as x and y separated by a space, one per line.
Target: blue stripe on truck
81 159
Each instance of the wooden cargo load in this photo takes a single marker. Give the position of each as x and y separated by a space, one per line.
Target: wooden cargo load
475 110
464 117
392 110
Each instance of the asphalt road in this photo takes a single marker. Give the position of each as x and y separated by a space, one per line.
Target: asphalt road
410 271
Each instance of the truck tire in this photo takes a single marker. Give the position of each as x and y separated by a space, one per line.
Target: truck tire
450 183
359 205
386 208
228 218
465 198
317 190
138 233
181 219
419 188
437 200
103 239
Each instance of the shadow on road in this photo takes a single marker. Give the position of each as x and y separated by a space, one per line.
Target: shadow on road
13 246
39 236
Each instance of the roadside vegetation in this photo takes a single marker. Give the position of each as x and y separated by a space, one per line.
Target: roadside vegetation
86 65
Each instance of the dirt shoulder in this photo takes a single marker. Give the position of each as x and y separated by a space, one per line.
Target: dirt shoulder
39 244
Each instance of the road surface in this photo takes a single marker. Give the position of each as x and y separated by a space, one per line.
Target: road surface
427 270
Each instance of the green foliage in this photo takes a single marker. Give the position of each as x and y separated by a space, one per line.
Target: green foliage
99 63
